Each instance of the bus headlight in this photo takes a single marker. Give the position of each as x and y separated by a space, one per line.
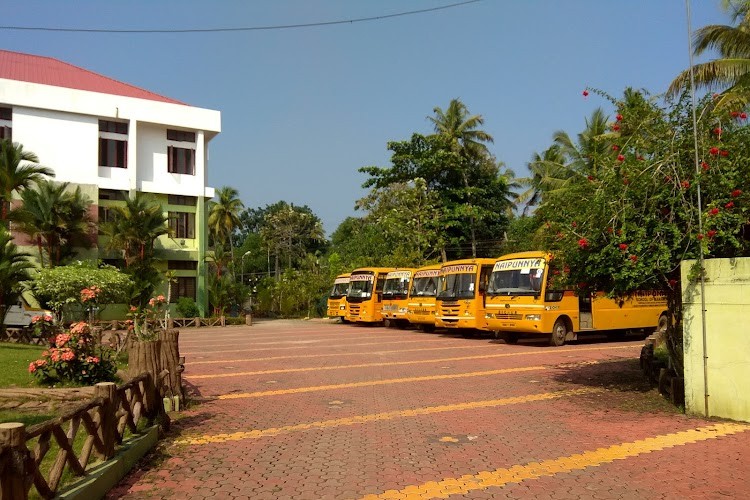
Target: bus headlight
342 307
534 317
402 310
488 316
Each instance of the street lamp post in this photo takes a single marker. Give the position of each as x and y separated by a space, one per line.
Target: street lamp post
242 263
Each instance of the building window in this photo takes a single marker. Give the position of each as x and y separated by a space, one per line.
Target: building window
182 224
188 201
182 265
6 128
113 144
181 152
182 287
112 195
106 214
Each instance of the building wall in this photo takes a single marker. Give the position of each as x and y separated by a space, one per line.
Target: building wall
61 126
727 293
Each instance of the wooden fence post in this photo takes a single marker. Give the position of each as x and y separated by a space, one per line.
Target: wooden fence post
15 474
108 426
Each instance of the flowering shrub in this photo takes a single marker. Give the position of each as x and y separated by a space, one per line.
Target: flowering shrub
44 326
145 321
73 357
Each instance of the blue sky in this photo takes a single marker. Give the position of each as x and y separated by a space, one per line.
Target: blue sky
303 109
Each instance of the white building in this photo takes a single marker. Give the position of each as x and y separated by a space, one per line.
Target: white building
110 137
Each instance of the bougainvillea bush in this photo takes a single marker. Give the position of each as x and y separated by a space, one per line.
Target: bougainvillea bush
630 213
74 358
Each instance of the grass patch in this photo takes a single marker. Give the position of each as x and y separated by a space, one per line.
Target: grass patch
15 359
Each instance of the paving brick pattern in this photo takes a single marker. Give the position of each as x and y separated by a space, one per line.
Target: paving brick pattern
318 410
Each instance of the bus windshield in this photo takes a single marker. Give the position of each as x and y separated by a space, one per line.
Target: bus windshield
424 287
360 289
339 290
457 286
396 288
522 281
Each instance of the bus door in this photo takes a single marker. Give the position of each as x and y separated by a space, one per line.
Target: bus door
484 280
379 284
585 317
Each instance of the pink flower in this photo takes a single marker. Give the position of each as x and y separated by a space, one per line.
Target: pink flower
62 339
32 367
92 359
36 319
68 355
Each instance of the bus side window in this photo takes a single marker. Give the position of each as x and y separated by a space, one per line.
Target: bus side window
550 294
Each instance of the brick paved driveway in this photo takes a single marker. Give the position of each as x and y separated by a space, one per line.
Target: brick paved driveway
314 410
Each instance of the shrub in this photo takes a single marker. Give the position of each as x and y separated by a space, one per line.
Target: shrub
74 357
187 308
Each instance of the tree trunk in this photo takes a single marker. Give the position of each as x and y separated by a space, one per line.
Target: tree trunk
144 356
170 360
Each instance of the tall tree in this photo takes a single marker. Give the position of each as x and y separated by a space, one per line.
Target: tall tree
224 218
19 169
287 232
730 72
14 270
55 218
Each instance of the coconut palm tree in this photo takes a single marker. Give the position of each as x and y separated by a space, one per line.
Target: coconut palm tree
55 218
224 216
730 72
461 128
18 170
14 270
548 173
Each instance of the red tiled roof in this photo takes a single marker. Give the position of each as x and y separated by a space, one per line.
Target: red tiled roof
50 71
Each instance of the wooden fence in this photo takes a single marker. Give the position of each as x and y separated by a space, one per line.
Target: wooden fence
103 423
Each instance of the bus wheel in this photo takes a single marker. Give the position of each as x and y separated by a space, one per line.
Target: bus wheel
387 323
559 332
511 338
428 328
344 320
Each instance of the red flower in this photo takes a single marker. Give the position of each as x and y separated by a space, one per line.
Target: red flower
729 205
639 157
620 158
590 177
623 246
610 230
699 236
618 117
585 93
685 184
615 147
717 131
672 283
626 181
583 243
574 224
667 178
705 166
615 127
724 152
619 232
711 233
735 114
715 96
714 211
634 258
743 116
714 151
736 193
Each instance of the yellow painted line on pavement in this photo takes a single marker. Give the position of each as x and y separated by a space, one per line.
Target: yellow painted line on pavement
308 345
547 468
388 363
371 383
377 417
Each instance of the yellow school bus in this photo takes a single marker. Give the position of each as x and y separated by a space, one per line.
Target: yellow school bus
521 301
461 294
420 308
395 293
337 297
365 294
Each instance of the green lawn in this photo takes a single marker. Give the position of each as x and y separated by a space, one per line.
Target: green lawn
15 359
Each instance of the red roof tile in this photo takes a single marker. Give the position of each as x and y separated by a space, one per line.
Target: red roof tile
50 71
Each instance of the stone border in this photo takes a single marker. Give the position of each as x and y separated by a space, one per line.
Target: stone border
102 478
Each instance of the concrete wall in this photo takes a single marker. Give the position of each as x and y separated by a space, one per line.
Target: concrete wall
727 295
